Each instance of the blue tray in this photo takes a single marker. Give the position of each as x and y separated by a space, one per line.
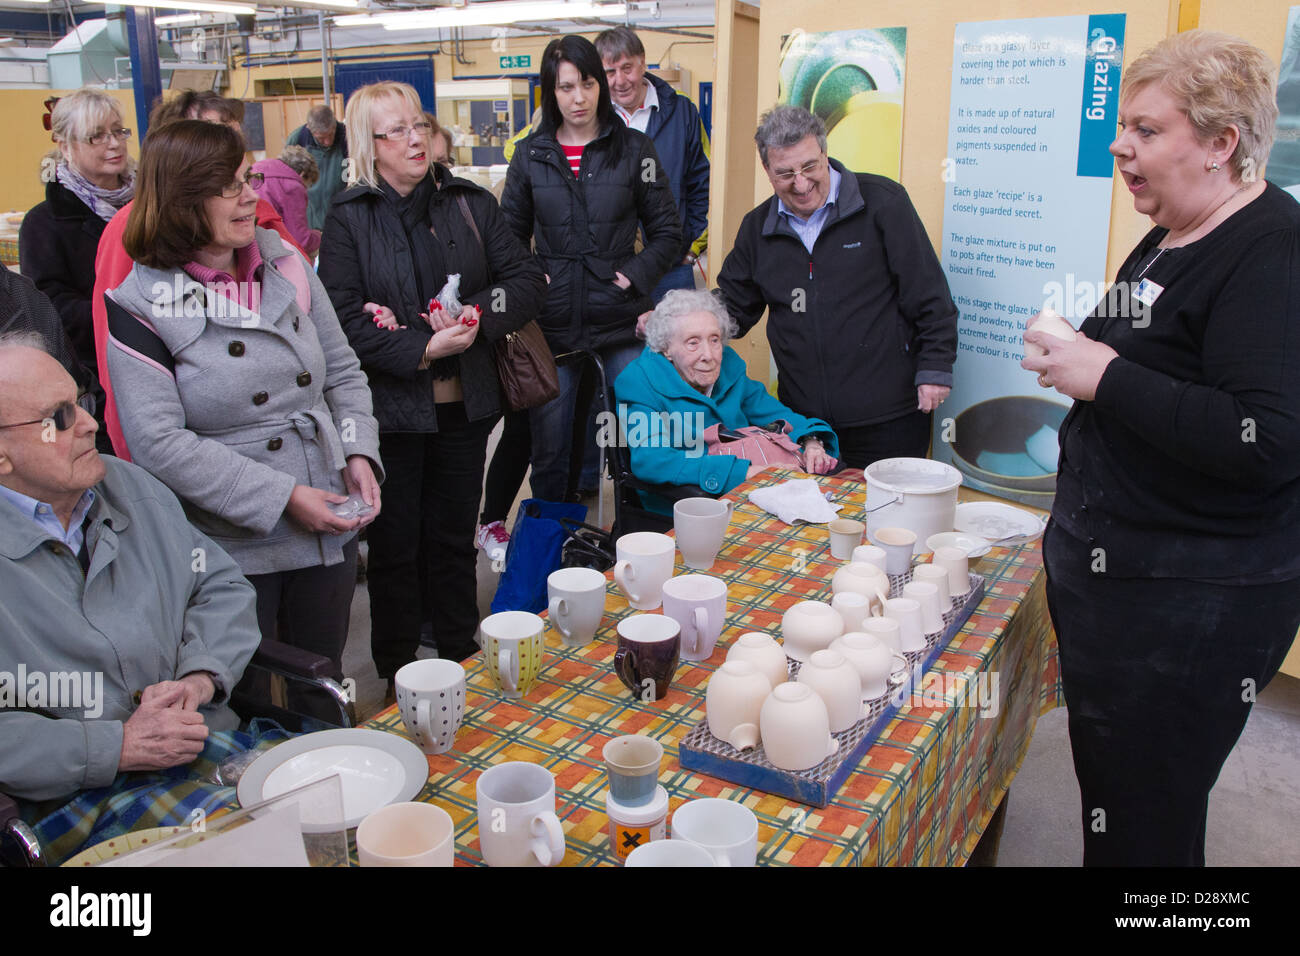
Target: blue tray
699 750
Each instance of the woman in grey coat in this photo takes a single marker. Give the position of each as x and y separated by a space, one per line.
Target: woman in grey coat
238 389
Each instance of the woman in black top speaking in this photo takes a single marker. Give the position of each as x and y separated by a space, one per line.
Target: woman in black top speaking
1173 554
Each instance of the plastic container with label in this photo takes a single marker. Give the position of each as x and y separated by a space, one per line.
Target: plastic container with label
631 827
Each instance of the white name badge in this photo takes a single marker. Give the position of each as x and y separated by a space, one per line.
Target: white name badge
1147 292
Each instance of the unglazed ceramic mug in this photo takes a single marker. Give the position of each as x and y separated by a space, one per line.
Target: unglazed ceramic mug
728 830
517 825
632 762
885 628
700 526
869 554
907 612
670 853
933 574
645 562
513 648
897 544
407 834
764 652
875 661
957 563
853 607
698 603
865 579
733 702
927 595
649 648
837 682
795 727
809 626
576 604
846 534
431 700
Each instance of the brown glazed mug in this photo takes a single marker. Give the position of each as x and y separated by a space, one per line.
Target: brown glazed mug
649 648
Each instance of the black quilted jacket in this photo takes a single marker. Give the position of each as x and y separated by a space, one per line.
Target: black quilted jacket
365 257
585 230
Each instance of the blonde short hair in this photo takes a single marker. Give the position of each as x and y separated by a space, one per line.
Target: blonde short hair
361 137
1217 81
78 115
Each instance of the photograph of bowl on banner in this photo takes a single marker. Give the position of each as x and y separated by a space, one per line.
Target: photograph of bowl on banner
853 81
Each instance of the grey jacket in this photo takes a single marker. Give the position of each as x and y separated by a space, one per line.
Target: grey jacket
234 408
159 601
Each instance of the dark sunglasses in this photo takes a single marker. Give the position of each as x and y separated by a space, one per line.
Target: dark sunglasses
65 416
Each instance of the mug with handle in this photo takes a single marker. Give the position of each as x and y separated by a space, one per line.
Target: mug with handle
645 562
649 649
700 525
517 824
698 603
513 643
576 604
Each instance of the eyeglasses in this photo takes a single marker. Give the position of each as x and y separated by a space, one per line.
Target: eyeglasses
236 189
399 133
785 176
65 416
102 137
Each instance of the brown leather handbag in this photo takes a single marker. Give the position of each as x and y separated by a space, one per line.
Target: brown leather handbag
525 365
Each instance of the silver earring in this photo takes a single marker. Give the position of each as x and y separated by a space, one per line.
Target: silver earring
1214 167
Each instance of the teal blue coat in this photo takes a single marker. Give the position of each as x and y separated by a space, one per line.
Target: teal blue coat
672 452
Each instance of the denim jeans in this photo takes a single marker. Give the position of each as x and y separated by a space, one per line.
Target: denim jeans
552 424
678 277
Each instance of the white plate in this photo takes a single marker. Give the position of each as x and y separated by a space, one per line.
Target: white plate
972 544
375 768
993 521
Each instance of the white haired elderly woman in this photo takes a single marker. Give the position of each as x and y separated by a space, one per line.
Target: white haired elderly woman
84 188
687 368
1173 554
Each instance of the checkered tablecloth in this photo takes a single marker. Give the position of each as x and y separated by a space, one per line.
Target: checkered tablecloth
921 795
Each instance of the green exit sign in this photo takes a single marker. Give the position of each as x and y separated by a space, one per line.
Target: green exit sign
516 62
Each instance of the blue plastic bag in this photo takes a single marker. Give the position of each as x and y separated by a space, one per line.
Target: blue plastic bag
533 553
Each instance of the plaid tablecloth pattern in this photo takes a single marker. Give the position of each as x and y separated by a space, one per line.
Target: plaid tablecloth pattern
921 795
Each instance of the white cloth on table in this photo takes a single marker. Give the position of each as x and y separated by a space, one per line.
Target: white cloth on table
799 499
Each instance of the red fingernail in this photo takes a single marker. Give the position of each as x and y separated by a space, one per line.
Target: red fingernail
478 309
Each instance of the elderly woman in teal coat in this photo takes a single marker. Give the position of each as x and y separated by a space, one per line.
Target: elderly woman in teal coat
688 379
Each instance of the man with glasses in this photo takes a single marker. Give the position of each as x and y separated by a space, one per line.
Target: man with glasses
102 579
861 324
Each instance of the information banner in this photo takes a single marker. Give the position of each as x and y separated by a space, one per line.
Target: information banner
1026 221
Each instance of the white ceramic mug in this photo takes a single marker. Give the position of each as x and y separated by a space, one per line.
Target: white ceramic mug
431 699
728 830
809 626
645 562
933 574
700 526
836 680
517 825
897 544
577 604
407 834
907 612
957 563
513 648
697 602
865 579
795 727
869 554
733 702
764 652
874 660
853 607
927 595
670 853
846 534
886 629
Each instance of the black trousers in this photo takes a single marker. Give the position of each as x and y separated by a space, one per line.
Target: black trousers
307 608
905 437
509 466
424 539
1159 675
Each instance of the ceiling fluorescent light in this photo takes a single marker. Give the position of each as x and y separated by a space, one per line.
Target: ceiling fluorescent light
321 4
486 14
197 19
205 6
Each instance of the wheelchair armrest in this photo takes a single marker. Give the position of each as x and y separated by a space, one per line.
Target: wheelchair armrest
289 661
669 492
18 844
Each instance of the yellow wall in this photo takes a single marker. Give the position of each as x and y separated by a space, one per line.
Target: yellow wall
27 141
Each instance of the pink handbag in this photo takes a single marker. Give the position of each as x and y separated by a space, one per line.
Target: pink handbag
760 445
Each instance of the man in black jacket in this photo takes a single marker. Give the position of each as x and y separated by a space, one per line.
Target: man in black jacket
860 320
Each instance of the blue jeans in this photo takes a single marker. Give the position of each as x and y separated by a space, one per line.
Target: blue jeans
678 277
552 423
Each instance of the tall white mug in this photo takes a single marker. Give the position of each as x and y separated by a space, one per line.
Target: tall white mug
577 603
517 825
697 602
700 525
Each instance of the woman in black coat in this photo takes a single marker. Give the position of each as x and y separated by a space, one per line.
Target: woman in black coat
84 188
389 244
579 187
